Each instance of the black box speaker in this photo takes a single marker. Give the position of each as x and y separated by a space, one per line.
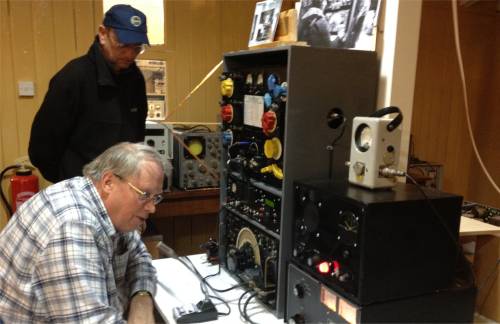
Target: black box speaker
376 245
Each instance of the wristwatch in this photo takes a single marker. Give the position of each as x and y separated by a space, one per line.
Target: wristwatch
142 293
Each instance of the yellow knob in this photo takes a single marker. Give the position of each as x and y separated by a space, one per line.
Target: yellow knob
274 169
227 87
273 148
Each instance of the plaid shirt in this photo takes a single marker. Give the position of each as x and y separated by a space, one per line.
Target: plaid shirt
61 260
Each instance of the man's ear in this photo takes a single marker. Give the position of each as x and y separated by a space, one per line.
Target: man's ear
102 33
108 182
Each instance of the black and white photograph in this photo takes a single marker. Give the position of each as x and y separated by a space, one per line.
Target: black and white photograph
265 21
338 23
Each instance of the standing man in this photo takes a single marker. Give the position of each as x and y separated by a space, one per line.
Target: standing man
94 101
72 253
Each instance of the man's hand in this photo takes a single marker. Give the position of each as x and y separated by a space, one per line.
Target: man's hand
141 310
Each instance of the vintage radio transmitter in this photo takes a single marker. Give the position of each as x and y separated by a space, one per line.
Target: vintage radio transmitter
311 301
268 103
253 199
251 254
196 159
373 246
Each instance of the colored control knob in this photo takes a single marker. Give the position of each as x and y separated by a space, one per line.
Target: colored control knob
227 87
269 122
268 100
272 80
274 169
227 113
298 291
227 137
297 319
273 148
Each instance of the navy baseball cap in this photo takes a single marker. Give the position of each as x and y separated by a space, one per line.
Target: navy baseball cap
128 23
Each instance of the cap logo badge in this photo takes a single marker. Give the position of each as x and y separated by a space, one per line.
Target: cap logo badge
135 21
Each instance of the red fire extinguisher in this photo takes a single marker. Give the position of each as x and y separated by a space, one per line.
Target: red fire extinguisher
24 184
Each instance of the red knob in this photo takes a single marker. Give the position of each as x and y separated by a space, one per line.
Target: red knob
227 113
269 122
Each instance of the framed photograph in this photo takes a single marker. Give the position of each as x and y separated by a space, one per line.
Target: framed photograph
338 23
264 22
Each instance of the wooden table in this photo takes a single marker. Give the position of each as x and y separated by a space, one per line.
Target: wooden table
474 227
482 242
188 218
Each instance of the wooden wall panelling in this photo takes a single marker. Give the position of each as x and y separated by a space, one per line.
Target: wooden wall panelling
64 32
203 228
44 40
483 49
213 57
8 116
85 25
183 25
439 121
487 276
23 67
198 59
183 232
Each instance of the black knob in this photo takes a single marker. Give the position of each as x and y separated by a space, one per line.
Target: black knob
297 319
298 291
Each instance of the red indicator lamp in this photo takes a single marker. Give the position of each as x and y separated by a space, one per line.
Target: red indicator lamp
336 268
323 267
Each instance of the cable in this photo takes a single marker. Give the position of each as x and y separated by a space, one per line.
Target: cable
245 315
434 210
209 74
209 285
240 299
466 100
330 149
225 304
213 274
199 128
388 172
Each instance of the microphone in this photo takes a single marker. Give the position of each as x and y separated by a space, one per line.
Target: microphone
202 311
166 250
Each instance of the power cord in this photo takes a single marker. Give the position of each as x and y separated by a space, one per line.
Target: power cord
203 279
245 314
204 284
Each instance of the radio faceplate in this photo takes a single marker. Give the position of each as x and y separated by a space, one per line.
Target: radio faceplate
373 246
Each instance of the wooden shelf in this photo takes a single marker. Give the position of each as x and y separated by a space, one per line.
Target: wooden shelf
188 203
187 218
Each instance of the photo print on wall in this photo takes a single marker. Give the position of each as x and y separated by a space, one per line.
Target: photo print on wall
264 23
339 23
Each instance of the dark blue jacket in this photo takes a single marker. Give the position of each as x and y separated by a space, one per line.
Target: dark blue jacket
87 109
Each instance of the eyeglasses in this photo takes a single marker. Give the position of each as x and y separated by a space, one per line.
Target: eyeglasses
137 48
144 196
